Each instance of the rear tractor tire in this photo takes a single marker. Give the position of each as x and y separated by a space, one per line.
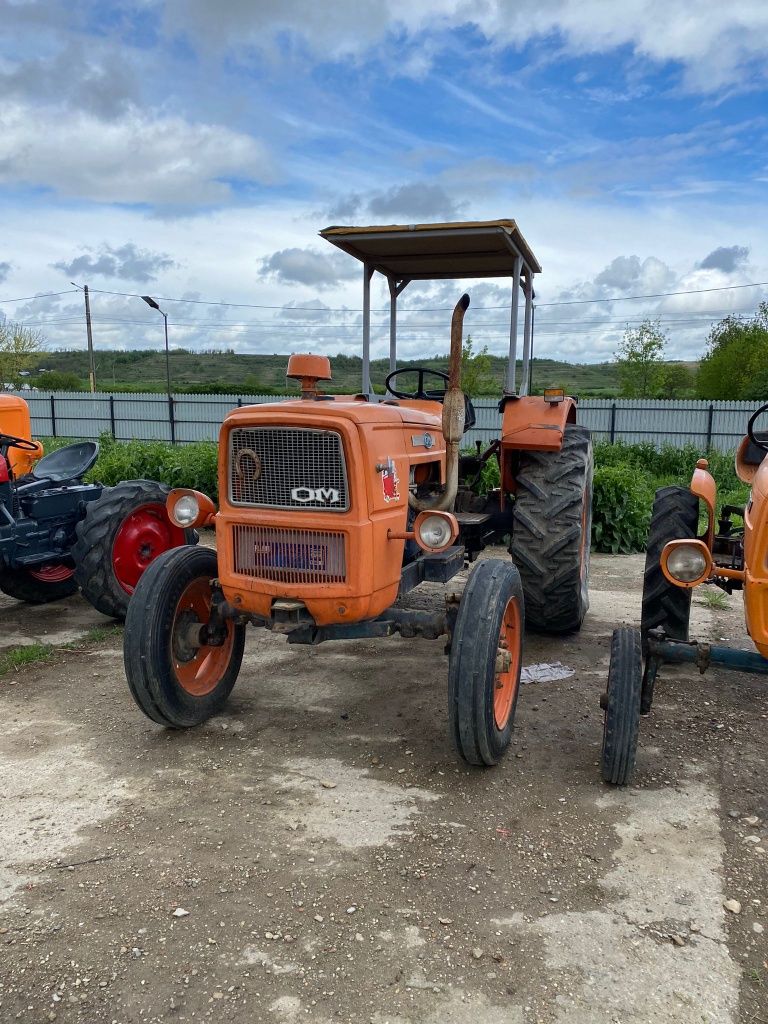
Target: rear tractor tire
621 704
178 678
552 527
40 585
120 535
675 516
485 661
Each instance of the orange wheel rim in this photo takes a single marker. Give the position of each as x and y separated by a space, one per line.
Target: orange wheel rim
198 667
507 676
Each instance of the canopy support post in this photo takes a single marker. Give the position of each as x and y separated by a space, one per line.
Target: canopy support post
367 275
525 382
395 287
510 385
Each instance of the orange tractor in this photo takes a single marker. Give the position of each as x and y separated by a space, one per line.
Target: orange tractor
726 555
333 507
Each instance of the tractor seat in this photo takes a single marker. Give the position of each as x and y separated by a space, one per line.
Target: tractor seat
753 455
67 463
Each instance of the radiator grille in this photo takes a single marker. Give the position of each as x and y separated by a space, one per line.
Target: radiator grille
287 467
290 556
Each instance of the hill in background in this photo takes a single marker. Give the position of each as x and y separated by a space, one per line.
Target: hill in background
231 373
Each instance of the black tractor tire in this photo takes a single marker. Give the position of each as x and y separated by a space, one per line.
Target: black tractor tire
551 535
174 683
481 698
675 516
21 584
102 531
621 720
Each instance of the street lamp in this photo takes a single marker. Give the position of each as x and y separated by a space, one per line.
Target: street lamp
151 302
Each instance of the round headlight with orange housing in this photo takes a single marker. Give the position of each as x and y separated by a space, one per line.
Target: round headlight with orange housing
187 508
435 531
686 563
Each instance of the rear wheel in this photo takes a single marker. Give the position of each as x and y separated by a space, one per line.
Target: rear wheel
485 662
675 516
120 535
552 527
621 704
40 585
177 674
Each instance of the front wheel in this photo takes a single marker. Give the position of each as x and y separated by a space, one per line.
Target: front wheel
621 704
485 662
177 674
121 533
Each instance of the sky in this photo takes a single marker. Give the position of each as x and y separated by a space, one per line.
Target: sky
193 151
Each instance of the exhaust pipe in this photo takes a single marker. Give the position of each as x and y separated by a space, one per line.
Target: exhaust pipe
453 418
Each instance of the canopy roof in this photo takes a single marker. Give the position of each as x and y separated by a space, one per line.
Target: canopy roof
435 251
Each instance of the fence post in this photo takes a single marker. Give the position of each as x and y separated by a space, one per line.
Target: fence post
171 419
710 418
53 416
112 415
613 423
239 403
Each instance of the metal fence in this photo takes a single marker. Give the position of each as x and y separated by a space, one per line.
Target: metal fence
198 417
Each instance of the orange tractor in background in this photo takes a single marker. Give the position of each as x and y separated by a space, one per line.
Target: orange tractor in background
726 555
333 507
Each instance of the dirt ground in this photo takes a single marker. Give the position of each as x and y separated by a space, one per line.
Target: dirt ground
318 852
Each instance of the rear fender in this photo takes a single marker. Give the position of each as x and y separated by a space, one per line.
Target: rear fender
531 424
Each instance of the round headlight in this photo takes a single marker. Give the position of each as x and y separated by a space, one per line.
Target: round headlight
186 510
435 532
687 564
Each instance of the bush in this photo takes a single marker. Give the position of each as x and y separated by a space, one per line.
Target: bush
189 465
621 509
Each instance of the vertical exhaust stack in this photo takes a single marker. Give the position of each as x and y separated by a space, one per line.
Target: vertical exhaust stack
453 417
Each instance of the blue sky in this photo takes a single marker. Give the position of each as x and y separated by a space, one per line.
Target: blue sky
194 150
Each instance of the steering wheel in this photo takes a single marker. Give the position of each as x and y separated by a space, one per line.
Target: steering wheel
753 437
435 395
9 441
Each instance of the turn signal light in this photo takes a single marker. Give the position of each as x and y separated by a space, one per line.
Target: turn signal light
554 395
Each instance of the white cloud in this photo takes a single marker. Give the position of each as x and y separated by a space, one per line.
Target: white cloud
137 157
716 43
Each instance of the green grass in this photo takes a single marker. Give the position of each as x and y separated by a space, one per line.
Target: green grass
714 599
16 657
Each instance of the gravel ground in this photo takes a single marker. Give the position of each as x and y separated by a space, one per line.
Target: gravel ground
318 853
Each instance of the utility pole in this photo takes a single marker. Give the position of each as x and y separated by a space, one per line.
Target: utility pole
89 332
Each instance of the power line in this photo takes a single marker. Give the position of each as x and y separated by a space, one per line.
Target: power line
40 295
436 309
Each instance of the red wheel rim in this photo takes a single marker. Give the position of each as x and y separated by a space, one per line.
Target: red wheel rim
198 669
55 573
143 535
507 677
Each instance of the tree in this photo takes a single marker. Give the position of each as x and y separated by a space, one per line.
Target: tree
640 359
18 347
677 381
476 375
57 380
735 363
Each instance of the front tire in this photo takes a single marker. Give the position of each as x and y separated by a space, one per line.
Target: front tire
176 681
621 721
675 516
552 527
121 533
485 662
40 585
